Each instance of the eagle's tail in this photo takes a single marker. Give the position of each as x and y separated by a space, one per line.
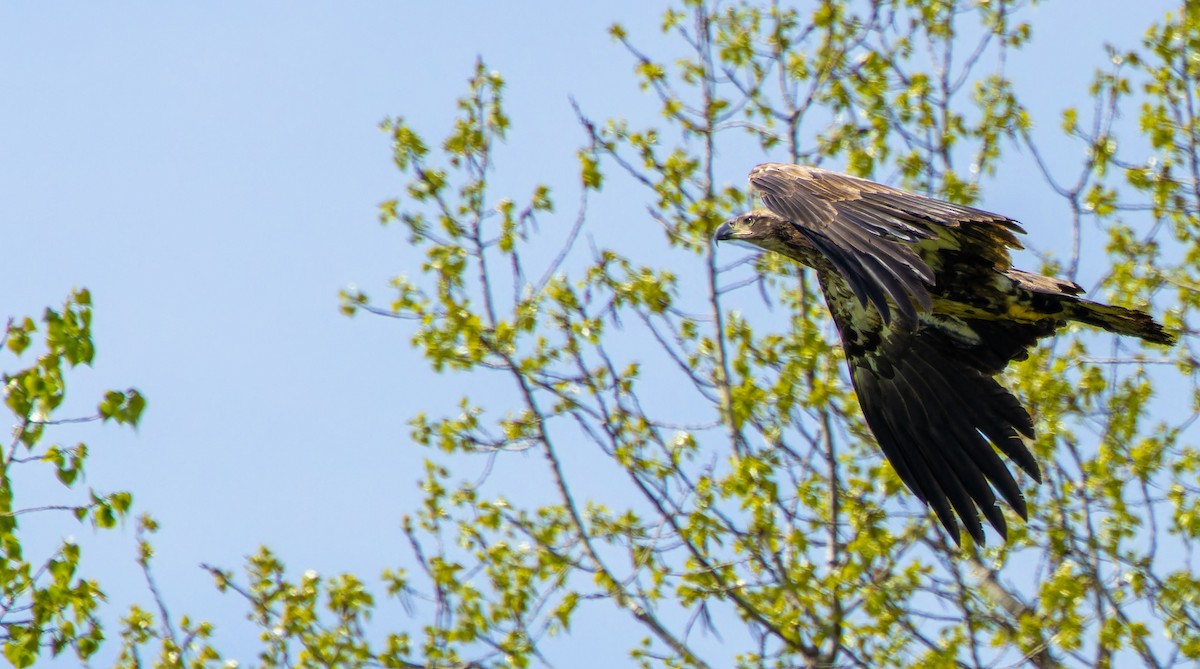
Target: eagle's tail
1118 320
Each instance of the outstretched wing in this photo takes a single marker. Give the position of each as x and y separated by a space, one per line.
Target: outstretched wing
880 239
930 399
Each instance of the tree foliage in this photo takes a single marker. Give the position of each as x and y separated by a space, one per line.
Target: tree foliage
747 518
44 604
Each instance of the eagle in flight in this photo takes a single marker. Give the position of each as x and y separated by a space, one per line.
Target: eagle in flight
929 310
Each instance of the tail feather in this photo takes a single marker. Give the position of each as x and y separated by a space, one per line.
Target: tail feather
1118 320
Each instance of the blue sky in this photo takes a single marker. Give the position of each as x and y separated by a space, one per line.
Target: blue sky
212 174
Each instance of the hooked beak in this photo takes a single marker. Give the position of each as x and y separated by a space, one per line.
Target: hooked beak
725 231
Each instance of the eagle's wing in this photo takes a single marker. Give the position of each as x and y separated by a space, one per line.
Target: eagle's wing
874 234
930 399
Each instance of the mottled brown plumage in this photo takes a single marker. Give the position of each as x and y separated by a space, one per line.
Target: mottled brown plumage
929 310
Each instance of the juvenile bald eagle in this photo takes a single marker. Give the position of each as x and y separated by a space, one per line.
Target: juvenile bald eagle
929 310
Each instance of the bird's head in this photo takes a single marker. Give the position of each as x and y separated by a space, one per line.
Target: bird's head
761 227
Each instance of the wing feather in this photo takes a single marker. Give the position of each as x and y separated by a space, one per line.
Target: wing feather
849 265
935 413
924 432
957 401
873 233
970 457
889 422
899 261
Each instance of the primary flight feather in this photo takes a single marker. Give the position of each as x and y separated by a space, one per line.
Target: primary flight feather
929 310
